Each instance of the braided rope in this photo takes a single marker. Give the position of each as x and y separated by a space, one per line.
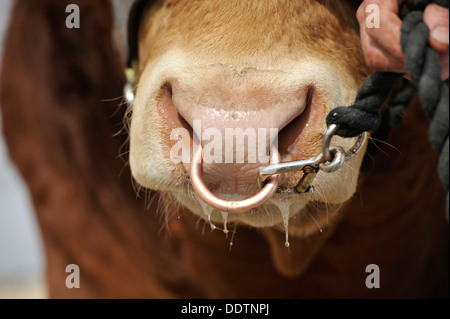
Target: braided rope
363 116
424 67
425 70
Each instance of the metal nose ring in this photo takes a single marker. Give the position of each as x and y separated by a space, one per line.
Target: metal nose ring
232 206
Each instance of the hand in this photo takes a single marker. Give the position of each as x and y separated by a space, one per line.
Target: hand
381 46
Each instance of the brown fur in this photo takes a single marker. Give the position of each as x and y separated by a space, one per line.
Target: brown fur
59 130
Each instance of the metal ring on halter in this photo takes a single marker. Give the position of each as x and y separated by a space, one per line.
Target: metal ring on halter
232 206
338 155
360 142
331 131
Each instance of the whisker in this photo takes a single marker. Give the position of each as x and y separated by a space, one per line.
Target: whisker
197 223
122 170
204 225
151 200
315 221
113 99
385 143
123 154
350 167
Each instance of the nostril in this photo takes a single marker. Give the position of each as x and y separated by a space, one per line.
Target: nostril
167 86
184 123
166 108
290 134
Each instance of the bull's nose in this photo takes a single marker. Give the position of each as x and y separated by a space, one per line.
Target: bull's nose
250 108
236 126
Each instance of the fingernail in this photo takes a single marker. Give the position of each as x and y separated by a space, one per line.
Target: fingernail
440 33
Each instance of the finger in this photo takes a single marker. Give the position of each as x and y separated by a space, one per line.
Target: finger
387 35
379 59
385 5
437 19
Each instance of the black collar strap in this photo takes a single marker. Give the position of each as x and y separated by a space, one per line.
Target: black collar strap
134 20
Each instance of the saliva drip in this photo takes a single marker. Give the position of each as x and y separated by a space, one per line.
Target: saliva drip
213 227
315 221
207 210
283 206
225 221
224 214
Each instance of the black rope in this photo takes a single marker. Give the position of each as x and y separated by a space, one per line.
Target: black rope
399 102
363 116
424 67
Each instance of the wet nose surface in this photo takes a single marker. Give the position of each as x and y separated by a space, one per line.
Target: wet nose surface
249 107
